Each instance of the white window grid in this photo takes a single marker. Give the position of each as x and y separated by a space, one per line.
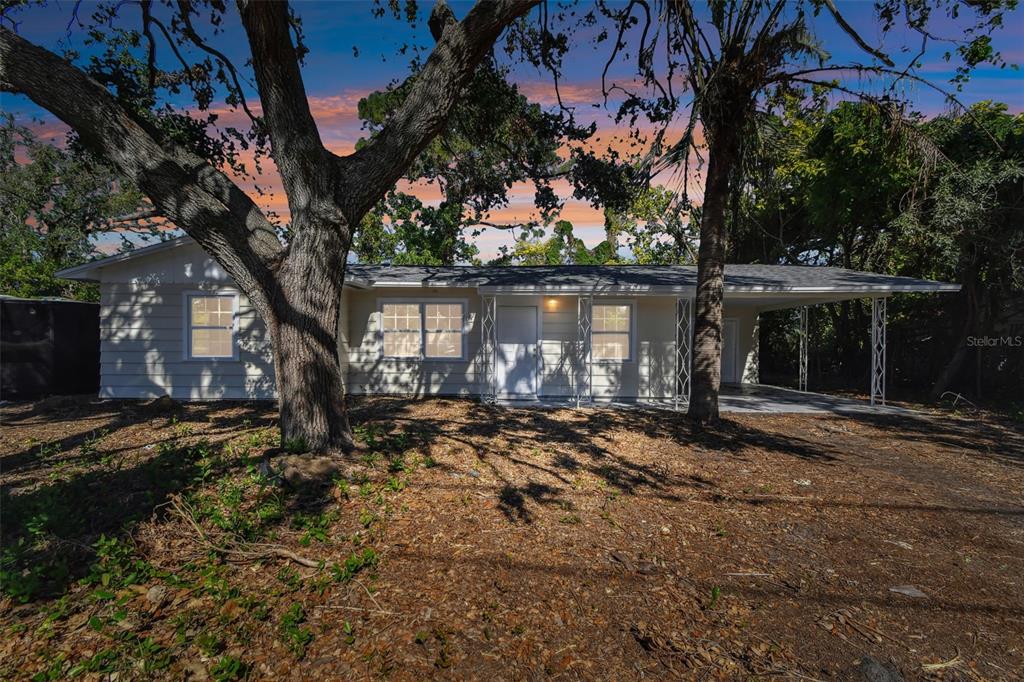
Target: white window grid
600 321
191 325
429 322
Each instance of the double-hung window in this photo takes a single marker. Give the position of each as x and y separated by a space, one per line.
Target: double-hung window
611 331
211 325
423 330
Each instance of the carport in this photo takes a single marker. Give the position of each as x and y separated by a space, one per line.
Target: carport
749 290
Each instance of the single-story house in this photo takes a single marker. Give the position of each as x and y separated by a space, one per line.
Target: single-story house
172 322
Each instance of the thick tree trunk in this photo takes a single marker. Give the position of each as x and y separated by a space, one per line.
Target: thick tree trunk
723 151
304 334
310 386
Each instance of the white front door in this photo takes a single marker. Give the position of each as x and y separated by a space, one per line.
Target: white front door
729 361
516 366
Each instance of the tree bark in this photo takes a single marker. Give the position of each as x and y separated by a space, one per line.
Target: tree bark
304 333
723 151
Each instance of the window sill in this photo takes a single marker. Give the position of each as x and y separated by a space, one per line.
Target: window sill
420 358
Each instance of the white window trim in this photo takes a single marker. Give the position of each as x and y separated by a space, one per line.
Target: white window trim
632 330
422 303
186 316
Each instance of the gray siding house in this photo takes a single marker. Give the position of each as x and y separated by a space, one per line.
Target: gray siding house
172 322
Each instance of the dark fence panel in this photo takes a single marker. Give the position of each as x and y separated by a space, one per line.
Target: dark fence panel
48 347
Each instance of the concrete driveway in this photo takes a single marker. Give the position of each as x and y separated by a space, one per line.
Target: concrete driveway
741 398
752 398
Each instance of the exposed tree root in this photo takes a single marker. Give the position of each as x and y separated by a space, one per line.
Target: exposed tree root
231 548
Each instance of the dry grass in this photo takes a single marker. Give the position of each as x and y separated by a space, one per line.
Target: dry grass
509 544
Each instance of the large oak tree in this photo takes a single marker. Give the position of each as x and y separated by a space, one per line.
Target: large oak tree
295 285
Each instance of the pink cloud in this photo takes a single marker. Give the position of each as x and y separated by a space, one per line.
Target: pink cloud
543 92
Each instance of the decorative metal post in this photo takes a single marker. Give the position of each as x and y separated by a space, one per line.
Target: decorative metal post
585 370
803 348
488 349
684 340
878 350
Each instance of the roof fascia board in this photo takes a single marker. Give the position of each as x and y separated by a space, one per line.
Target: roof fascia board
84 272
527 289
385 284
77 272
357 282
732 289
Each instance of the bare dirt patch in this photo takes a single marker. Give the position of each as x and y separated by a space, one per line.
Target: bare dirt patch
469 541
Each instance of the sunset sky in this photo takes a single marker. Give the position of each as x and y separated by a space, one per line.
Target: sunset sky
335 78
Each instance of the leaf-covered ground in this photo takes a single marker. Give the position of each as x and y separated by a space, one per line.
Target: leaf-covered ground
465 541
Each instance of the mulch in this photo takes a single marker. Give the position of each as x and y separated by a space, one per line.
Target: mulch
572 544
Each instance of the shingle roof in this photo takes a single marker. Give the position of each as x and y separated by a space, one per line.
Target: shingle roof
569 278
737 277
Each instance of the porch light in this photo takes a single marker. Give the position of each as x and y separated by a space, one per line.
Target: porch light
551 303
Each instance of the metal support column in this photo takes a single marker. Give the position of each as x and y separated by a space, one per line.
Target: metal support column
803 348
878 350
684 342
585 370
488 348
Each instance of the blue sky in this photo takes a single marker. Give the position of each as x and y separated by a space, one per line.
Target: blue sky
336 78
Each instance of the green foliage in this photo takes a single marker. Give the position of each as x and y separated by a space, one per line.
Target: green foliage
295 637
349 631
367 517
32 560
851 186
116 566
401 230
315 527
494 138
52 200
209 644
716 594
563 247
53 671
228 668
296 445
104 661
354 564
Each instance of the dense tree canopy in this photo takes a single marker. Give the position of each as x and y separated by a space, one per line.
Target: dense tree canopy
494 139
52 201
121 102
944 201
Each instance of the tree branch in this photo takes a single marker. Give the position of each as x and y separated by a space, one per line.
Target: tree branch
182 186
852 32
185 10
294 139
367 174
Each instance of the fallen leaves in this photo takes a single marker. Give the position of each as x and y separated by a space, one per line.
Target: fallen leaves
602 558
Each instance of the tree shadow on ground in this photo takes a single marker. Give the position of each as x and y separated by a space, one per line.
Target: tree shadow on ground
577 442
979 436
51 522
103 418
65 512
582 441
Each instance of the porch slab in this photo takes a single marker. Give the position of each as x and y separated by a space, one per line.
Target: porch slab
777 400
742 398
